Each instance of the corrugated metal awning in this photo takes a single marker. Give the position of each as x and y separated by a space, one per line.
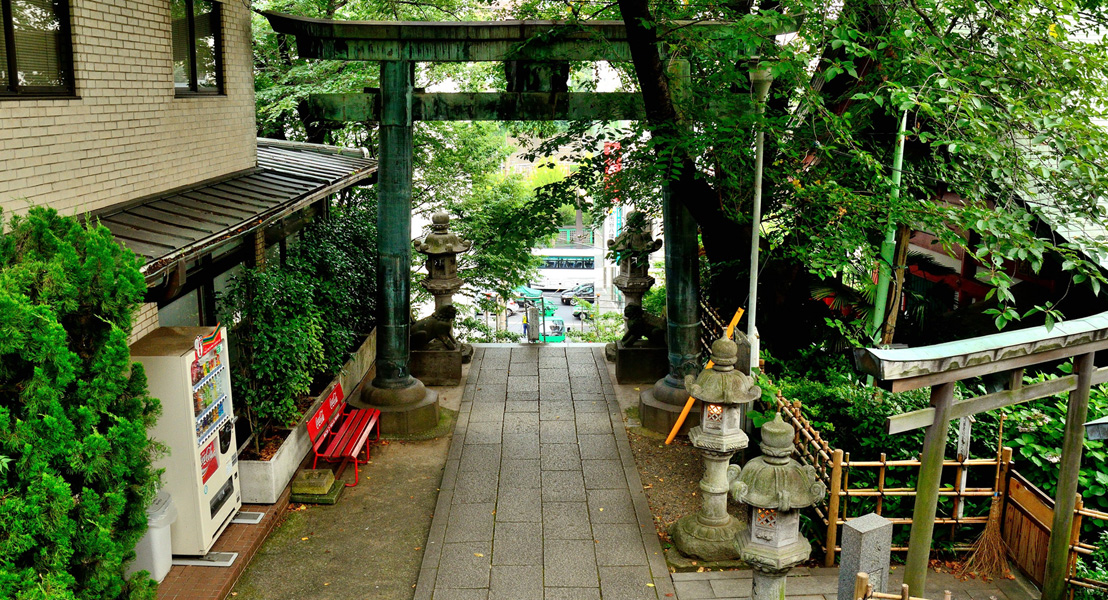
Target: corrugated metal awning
186 223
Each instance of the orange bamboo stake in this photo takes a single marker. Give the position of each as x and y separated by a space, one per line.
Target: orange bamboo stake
691 400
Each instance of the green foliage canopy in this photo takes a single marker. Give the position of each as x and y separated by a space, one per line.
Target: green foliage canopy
73 412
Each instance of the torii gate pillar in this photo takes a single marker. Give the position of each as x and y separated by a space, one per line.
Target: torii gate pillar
660 405
406 405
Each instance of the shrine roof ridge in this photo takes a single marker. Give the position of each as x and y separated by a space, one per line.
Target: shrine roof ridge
964 358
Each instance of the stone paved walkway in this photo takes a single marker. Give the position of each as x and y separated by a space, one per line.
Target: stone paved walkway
540 497
541 500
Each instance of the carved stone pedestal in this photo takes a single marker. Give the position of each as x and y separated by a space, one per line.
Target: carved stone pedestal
405 410
437 367
645 364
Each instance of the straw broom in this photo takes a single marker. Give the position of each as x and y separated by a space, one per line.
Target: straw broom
988 558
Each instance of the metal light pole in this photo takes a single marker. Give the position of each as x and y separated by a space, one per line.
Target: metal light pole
761 79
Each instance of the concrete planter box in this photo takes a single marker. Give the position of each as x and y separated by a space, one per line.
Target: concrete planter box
263 481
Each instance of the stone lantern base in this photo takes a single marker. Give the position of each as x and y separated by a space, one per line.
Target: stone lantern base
640 364
708 542
661 404
436 367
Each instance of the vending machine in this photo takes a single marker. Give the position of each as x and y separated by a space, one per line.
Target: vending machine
187 369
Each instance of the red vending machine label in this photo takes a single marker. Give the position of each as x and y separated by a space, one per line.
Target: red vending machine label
209 462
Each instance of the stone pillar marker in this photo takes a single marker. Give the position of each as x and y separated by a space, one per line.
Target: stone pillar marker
867 544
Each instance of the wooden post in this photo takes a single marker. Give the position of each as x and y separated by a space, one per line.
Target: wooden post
833 507
881 485
1069 468
861 586
927 489
965 432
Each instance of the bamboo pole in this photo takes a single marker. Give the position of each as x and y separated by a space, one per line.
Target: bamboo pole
888 246
833 507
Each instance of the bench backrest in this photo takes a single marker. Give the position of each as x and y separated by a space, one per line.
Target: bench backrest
325 415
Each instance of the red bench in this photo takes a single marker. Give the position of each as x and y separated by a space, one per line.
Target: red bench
340 432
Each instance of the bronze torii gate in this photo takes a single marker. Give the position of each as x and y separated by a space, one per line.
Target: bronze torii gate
537 48
942 365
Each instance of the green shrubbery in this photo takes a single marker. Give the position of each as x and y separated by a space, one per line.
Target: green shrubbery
73 413
294 321
853 417
1037 429
277 339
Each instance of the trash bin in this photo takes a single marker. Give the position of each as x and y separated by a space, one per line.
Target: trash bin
154 553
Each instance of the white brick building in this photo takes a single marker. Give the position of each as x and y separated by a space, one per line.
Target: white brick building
131 110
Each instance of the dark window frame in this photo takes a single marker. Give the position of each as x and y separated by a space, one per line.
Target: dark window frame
11 90
194 80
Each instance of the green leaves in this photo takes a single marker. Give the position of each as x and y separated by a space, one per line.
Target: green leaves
76 474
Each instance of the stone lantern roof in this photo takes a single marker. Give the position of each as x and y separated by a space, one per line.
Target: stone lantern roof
774 480
441 240
722 384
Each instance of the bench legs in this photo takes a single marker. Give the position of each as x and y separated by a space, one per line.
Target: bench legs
346 461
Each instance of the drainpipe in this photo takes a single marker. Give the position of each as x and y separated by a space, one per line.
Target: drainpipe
762 79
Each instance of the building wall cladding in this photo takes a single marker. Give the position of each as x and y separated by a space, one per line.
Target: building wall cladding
127 135
145 321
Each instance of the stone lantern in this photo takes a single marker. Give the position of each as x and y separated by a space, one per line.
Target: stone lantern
436 357
633 247
711 533
775 487
638 360
442 248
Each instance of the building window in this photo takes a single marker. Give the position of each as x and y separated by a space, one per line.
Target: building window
197 51
36 58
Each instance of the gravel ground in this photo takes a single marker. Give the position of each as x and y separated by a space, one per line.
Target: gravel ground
669 474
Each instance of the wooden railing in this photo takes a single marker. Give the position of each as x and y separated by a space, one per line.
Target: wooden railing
836 468
1026 517
863 590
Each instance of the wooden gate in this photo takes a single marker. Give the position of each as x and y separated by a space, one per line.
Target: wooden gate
1025 526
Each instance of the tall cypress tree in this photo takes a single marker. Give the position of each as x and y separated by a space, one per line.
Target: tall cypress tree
73 412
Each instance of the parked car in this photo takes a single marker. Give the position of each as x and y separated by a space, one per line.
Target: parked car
585 291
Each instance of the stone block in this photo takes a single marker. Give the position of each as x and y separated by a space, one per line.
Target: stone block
660 417
640 364
410 419
313 481
328 496
436 367
866 545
